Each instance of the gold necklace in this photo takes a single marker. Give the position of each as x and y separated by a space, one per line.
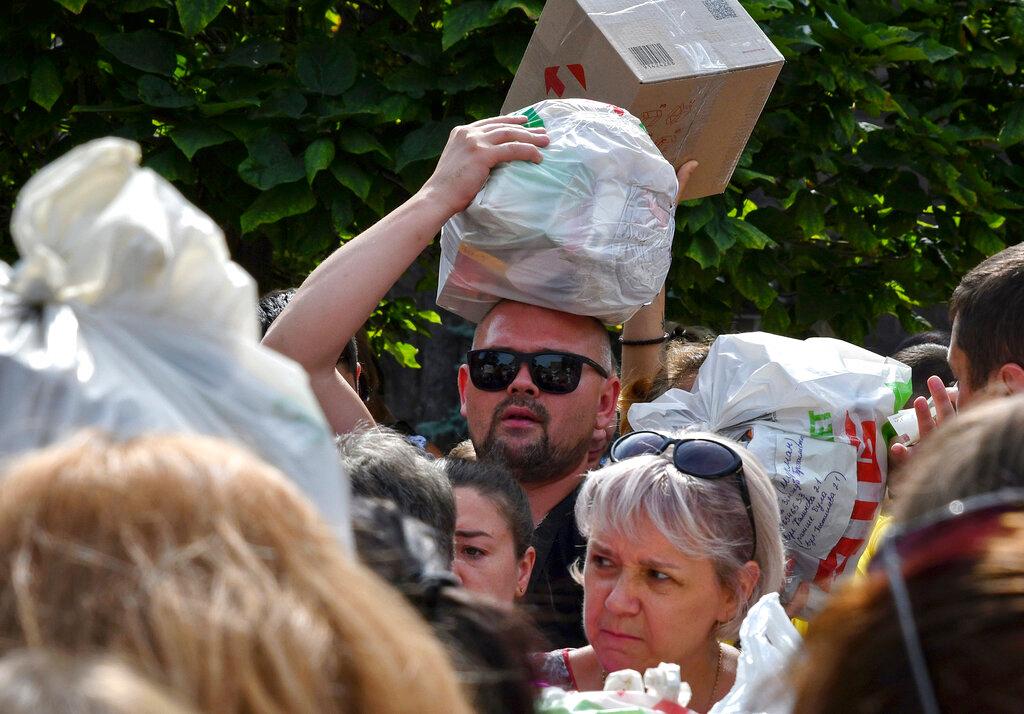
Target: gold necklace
718 673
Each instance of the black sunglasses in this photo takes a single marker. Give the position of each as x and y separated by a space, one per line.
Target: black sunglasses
953 531
552 372
699 458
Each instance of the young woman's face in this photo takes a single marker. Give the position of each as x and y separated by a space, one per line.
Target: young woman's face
485 553
646 603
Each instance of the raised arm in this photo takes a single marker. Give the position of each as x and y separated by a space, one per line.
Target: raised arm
644 361
339 296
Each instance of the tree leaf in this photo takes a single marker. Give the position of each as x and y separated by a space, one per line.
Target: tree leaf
718 231
531 8
352 177
413 80
406 8
12 69
776 319
929 49
253 54
326 66
45 85
195 15
704 251
172 166
147 50
1012 132
509 50
74 6
140 5
809 214
318 157
694 215
157 92
879 36
754 287
403 352
271 206
356 140
270 163
342 214
424 143
462 19
289 103
212 109
747 234
193 137
857 232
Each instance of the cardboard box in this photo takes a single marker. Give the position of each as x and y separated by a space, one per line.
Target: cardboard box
697 73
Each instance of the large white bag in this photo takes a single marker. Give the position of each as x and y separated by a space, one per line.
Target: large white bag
126 314
768 641
812 411
587 231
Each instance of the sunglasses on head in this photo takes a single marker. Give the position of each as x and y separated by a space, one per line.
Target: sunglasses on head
700 458
552 372
958 530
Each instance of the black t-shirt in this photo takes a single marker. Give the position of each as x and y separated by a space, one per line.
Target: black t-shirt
553 598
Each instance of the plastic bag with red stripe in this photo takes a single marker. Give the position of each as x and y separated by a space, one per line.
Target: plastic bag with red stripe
813 412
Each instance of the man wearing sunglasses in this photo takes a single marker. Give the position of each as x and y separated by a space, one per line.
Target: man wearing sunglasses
535 386
547 383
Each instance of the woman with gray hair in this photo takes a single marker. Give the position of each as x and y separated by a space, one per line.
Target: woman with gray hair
682 537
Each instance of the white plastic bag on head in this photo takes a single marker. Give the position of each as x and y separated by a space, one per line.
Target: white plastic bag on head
768 641
812 412
587 231
126 314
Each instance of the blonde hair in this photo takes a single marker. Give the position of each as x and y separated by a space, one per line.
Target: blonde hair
206 570
46 681
702 518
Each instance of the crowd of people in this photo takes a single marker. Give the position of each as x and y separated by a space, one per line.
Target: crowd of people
556 545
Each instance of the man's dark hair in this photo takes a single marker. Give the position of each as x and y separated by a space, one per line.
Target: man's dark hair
924 361
987 305
931 337
273 304
382 464
496 483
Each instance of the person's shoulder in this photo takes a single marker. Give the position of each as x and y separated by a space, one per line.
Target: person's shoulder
553 668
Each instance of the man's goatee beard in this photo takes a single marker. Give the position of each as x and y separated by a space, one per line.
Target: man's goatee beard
536 463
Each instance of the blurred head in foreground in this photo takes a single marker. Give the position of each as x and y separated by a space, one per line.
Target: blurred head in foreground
940 619
48 682
207 571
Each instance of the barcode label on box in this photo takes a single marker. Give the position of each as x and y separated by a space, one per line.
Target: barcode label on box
719 9
653 55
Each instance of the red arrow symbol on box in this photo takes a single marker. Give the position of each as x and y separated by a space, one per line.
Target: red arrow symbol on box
578 73
551 81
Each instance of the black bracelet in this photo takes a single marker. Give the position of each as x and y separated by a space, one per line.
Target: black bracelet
642 343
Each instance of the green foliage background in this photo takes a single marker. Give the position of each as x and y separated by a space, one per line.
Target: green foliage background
887 162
